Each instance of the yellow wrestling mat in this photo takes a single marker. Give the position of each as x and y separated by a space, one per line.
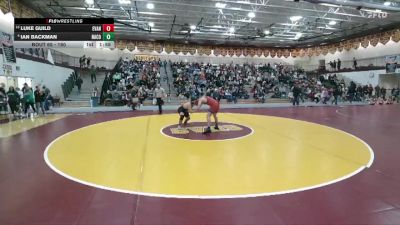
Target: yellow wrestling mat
276 156
21 125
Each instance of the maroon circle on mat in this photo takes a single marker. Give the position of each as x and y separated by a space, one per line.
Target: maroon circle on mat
194 131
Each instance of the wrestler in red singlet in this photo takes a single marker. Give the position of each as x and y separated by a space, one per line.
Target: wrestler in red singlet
213 110
214 105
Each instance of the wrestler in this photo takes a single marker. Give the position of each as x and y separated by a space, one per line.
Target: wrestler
213 110
183 111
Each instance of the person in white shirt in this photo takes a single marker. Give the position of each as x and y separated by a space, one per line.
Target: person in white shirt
159 94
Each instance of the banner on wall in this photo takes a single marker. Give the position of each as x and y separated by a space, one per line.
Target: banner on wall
391 63
392 59
146 57
8 48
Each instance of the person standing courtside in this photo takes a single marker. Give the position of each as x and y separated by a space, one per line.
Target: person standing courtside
13 100
29 99
159 94
296 94
39 99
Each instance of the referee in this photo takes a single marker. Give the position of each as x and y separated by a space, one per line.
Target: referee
159 93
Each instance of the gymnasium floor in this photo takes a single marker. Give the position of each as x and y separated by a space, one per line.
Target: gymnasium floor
305 165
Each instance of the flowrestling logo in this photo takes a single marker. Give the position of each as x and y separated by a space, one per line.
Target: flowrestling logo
194 131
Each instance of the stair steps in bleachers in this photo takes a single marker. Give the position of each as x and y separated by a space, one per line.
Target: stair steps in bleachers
83 99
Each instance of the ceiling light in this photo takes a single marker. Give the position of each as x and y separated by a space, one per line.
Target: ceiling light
89 2
295 18
266 32
8 18
151 24
251 15
298 36
231 29
387 3
124 2
150 5
220 5
193 27
329 5
332 22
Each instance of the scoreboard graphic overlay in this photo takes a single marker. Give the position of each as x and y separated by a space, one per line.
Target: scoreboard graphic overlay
64 33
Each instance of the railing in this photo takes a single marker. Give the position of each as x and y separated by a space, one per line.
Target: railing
105 86
164 63
348 64
69 84
63 59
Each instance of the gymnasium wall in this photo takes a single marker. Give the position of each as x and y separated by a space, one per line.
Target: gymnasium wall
365 56
41 74
112 55
364 77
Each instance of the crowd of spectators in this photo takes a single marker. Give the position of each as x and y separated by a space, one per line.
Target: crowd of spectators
133 79
233 82
225 81
138 79
19 102
328 88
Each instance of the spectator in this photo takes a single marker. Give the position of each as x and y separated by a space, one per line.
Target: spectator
296 93
13 99
377 91
339 64
383 93
2 90
354 63
88 61
142 95
325 95
82 61
336 94
29 99
92 73
78 83
39 99
48 99
352 91
3 98
370 91
95 92
397 95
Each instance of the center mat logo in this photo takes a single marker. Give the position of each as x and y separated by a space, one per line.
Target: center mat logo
194 131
